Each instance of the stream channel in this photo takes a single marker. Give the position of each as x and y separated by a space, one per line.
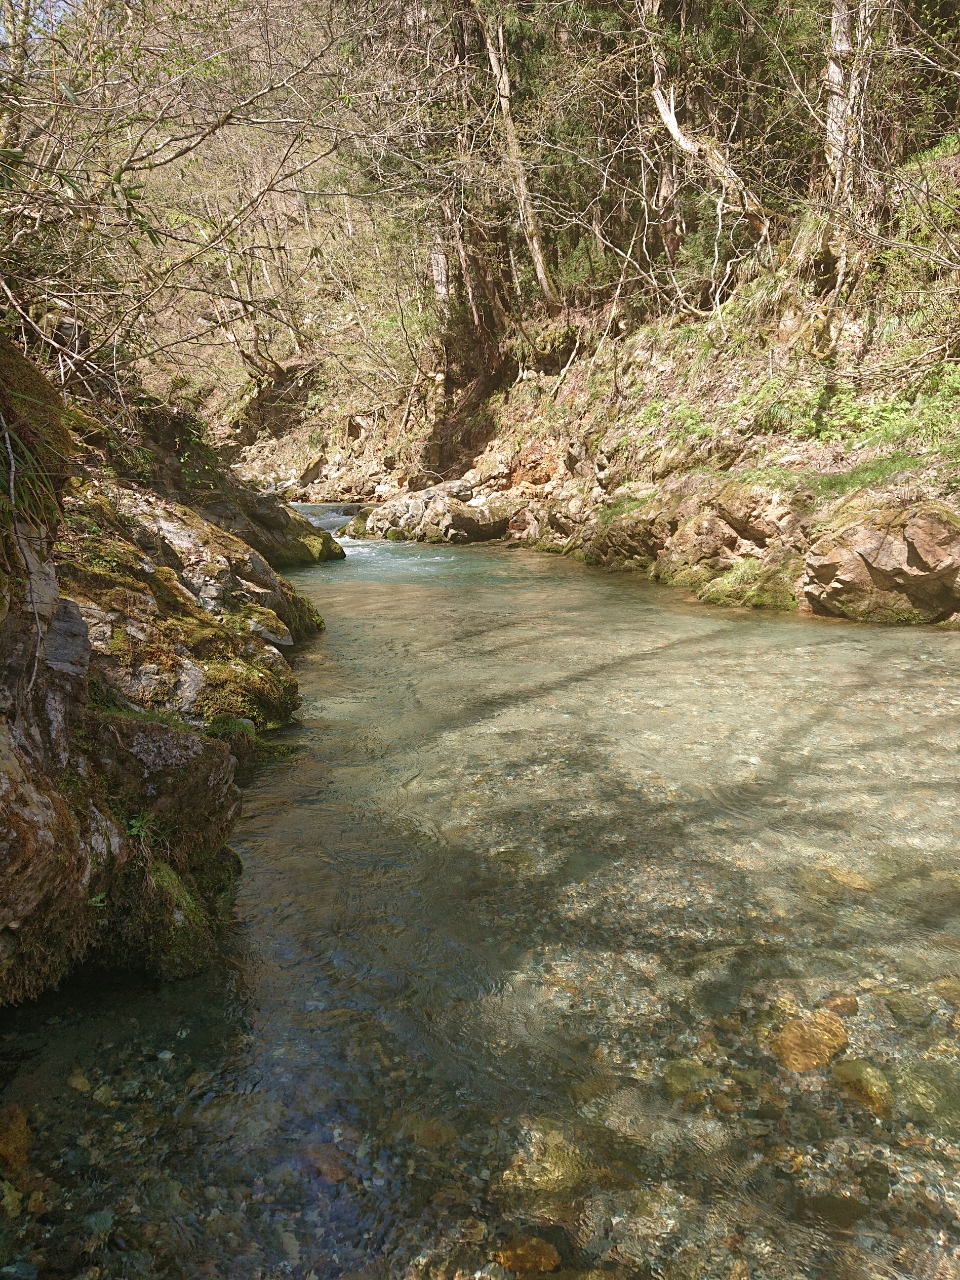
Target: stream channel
533 923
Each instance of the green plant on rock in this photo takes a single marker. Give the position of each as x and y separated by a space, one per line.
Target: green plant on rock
751 583
248 691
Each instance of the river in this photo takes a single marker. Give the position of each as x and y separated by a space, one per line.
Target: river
559 863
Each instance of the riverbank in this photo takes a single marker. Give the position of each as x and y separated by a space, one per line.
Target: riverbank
142 630
777 464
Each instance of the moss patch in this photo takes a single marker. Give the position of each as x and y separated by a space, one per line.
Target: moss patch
756 585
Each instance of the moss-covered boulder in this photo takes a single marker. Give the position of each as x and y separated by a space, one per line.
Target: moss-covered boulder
279 533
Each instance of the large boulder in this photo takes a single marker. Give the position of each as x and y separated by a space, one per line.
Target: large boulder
886 562
446 512
280 534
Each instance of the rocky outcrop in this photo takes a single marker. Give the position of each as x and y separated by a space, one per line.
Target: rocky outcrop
138 643
280 534
443 513
886 562
731 543
182 617
888 557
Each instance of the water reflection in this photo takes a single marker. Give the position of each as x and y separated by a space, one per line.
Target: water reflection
566 877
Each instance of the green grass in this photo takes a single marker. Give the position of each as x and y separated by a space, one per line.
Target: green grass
622 507
873 472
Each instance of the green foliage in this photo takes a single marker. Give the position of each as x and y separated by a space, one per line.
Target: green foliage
34 448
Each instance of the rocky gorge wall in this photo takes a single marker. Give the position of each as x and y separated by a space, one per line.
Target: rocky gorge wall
143 627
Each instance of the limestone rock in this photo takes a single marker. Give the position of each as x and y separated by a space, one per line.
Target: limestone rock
447 512
312 471
806 1043
866 1083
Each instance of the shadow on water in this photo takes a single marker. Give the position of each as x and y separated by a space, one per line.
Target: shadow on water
558 858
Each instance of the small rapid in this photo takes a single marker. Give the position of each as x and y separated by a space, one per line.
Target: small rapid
584 928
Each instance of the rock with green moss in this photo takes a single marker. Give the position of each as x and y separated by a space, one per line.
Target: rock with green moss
752 583
182 616
356 528
122 631
273 528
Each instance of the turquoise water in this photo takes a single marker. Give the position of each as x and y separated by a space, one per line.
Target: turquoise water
558 857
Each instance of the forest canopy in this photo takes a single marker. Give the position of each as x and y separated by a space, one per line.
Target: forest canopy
195 193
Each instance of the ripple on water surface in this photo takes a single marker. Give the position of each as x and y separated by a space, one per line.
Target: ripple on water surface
587 929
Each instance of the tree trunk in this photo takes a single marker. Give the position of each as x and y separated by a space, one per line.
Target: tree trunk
528 214
846 80
709 154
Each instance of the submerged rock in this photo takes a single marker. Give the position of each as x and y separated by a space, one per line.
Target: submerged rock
806 1043
528 1255
844 1006
928 1093
683 1076
866 1083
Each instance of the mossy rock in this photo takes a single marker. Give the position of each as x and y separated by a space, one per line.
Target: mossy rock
755 585
248 690
323 546
395 535
216 873
179 935
928 1094
696 577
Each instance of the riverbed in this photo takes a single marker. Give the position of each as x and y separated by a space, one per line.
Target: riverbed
558 860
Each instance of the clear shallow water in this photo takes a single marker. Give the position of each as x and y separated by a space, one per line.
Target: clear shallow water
557 859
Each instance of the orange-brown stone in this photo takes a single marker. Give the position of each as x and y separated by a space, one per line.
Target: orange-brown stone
14 1136
528 1254
327 1161
843 1006
806 1043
